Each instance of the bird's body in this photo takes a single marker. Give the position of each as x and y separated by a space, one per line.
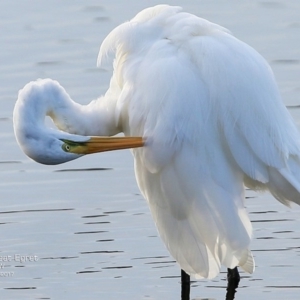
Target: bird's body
210 112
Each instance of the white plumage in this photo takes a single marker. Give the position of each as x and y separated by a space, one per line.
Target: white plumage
209 109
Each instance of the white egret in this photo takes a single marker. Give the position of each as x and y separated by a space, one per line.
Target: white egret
207 117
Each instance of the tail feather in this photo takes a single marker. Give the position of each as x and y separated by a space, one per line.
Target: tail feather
284 184
247 262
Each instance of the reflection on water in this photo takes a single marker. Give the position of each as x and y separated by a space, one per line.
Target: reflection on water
81 170
91 230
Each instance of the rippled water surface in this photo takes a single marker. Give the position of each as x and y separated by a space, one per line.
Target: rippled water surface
82 230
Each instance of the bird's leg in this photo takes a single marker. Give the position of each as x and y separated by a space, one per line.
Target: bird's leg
185 286
233 278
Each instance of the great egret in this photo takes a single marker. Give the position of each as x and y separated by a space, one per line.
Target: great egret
204 110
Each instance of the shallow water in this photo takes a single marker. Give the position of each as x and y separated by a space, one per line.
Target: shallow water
85 224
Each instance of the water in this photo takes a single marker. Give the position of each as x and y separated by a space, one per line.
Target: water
84 227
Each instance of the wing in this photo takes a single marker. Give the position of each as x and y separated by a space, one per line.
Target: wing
212 115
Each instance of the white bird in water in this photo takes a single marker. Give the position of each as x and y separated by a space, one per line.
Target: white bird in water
205 112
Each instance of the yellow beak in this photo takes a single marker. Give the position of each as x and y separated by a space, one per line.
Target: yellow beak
100 144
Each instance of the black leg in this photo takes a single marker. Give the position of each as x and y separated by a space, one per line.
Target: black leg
233 278
185 286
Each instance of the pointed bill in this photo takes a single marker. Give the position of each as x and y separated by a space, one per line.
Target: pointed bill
100 144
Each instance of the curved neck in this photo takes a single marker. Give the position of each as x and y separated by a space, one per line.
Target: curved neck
77 123
95 119
48 98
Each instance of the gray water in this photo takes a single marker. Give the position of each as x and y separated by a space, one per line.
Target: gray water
84 227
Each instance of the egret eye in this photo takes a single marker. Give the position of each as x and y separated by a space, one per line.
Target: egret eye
66 148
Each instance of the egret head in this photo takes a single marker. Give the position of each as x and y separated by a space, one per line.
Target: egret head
46 146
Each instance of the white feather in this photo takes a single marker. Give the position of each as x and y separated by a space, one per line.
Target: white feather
212 114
